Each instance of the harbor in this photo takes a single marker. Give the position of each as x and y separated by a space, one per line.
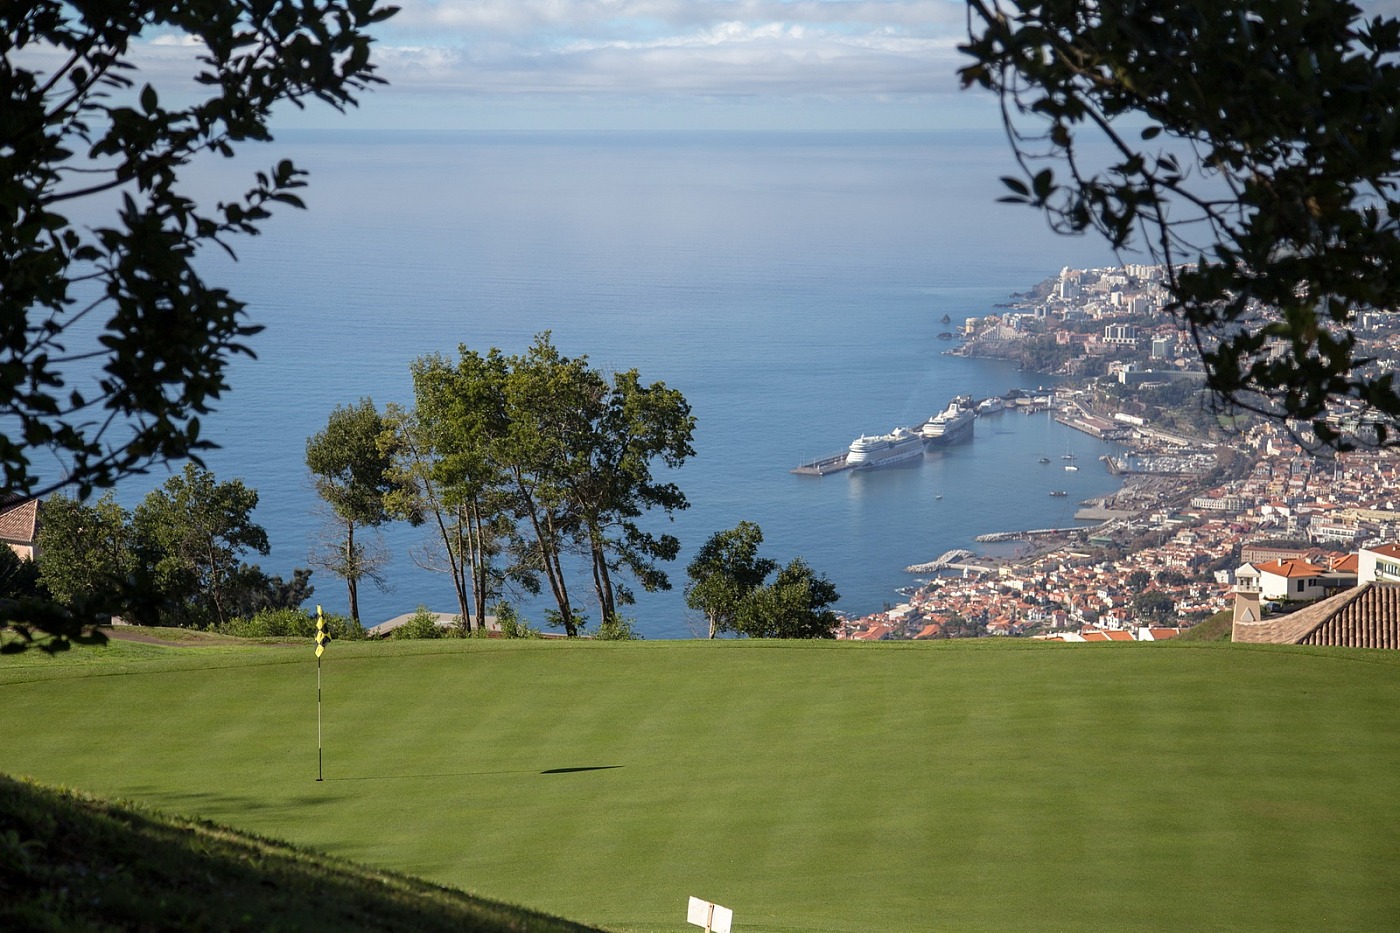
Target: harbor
1032 533
949 426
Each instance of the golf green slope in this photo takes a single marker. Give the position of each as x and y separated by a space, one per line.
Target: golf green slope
961 786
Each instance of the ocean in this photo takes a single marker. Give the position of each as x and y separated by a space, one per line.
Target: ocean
791 286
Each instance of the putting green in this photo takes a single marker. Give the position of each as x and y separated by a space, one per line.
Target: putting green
956 786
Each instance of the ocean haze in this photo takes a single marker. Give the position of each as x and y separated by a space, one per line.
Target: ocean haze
792 286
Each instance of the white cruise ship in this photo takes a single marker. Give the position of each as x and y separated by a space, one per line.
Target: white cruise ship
881 450
949 426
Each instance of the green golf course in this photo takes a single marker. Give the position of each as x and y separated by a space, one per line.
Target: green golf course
978 785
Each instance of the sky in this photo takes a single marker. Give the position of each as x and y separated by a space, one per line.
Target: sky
663 65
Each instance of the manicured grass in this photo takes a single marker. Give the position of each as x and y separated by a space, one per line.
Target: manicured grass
962 786
72 862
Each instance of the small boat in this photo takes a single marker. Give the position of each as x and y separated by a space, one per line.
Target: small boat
1071 466
1044 459
1058 492
939 496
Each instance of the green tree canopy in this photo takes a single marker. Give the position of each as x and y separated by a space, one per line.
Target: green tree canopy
727 584
112 344
1154 606
446 477
1252 151
794 605
724 572
84 551
191 533
351 463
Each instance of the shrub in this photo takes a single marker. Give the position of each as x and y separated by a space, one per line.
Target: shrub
422 624
511 624
617 628
289 623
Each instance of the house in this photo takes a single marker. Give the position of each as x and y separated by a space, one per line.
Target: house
1365 617
19 526
1380 564
1290 580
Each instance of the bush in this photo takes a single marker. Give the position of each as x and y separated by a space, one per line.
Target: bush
617 629
290 623
423 624
511 624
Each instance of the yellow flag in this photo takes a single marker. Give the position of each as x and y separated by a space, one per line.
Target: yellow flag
322 636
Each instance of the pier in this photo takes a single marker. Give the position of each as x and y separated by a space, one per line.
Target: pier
1033 533
834 463
944 561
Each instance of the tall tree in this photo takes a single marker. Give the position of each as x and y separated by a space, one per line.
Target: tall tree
551 405
84 552
723 574
351 463
192 533
1252 150
121 297
580 451
610 478
447 478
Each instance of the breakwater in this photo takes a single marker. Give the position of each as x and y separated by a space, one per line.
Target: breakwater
1032 533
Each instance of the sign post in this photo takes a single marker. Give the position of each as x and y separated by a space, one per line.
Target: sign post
714 918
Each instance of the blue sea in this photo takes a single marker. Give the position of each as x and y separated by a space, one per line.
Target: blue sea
791 286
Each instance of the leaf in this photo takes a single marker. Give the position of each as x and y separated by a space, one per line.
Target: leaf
1016 185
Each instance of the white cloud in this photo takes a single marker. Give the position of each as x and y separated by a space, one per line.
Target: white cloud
584 16
457 56
707 47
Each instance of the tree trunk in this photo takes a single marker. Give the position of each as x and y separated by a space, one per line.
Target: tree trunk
458 559
549 556
352 574
480 563
602 583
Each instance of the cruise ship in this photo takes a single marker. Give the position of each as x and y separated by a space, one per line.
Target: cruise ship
882 450
949 426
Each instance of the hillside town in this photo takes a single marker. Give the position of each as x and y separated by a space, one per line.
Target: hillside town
1211 503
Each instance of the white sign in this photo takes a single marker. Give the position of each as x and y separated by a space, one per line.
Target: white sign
712 917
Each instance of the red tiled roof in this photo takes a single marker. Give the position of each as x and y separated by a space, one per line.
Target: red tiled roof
1289 568
1351 563
1365 617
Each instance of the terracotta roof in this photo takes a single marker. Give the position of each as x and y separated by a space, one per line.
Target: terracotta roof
1365 617
1289 568
1119 636
1350 563
18 521
1386 550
